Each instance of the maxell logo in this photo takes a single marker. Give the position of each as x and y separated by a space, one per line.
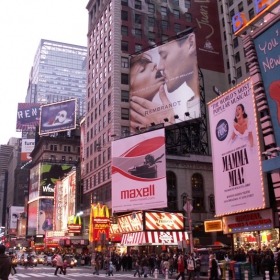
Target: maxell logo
48 188
136 193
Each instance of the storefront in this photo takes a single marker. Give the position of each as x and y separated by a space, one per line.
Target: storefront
252 230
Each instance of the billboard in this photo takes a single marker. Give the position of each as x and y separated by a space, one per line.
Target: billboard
45 217
32 218
235 151
203 17
49 174
164 83
28 115
59 203
82 147
57 117
268 49
27 146
14 214
131 222
34 182
164 221
139 172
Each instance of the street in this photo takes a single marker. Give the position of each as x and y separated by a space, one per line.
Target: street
76 273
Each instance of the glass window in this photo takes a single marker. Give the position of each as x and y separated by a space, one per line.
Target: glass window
151 21
238 72
197 192
124 114
125 96
237 57
137 4
163 11
188 17
124 2
177 27
164 24
138 47
124 79
124 30
240 7
151 8
251 14
124 62
152 36
171 190
138 33
187 4
138 19
124 15
230 2
176 14
235 42
124 46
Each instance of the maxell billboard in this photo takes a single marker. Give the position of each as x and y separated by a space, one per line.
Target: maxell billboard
139 172
238 182
267 46
28 115
164 83
57 117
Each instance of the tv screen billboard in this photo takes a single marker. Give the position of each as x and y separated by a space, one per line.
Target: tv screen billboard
28 115
238 181
139 172
164 84
58 117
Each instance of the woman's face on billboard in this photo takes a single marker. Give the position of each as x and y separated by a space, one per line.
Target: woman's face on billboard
145 79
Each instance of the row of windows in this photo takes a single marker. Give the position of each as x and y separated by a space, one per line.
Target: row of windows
64 148
240 6
99 160
102 176
63 158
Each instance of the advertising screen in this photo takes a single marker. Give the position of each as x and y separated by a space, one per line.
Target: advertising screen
45 217
32 217
34 182
28 116
58 213
57 117
49 174
82 148
139 172
235 151
164 83
27 146
131 223
14 214
164 221
268 48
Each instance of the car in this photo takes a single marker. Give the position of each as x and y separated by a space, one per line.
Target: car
70 260
41 258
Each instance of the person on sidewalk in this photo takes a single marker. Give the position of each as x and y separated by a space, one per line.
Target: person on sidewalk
12 256
111 269
181 268
64 267
5 264
137 268
59 264
191 267
213 266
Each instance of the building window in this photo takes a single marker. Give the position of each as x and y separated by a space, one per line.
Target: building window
222 9
164 37
226 49
237 57
124 62
249 2
109 116
235 42
125 96
125 131
163 11
124 114
138 19
152 36
240 7
229 78
176 14
124 79
232 13
109 153
177 27
109 99
124 15
124 46
110 66
124 2
225 35
188 17
238 72
151 8
151 21
171 190
138 47
251 14
227 64
197 192
187 4
124 30
247 67
176 2
230 2
137 4
164 24
109 172
138 33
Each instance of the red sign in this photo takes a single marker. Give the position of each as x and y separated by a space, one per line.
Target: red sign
72 228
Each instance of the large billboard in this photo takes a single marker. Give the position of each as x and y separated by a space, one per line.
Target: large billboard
27 146
203 16
131 222
268 48
28 115
139 172
164 221
32 217
34 182
164 83
235 151
45 216
82 147
57 117
14 214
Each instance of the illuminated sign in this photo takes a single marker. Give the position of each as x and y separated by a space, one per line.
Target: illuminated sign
261 6
72 228
213 226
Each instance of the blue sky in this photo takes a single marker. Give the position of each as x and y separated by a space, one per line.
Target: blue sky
22 25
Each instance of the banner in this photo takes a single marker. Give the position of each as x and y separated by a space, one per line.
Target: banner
131 223
14 214
139 172
267 47
57 117
238 182
28 115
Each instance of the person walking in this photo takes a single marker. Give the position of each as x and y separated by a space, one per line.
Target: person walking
181 268
59 264
137 269
191 267
213 266
12 256
111 269
5 264
64 267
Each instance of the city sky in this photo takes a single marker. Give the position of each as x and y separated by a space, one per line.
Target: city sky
23 25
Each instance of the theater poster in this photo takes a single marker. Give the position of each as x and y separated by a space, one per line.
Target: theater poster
238 182
139 172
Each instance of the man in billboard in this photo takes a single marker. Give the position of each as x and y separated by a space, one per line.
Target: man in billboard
177 69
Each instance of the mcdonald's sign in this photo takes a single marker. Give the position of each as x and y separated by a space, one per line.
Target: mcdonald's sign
99 224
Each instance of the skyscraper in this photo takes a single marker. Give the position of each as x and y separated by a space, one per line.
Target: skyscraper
58 73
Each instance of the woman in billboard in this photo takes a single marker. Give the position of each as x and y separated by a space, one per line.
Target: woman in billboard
242 129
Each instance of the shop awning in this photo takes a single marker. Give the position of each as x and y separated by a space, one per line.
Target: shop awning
166 237
133 239
154 238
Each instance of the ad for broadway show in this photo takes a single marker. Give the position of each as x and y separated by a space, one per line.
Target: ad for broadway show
238 179
139 172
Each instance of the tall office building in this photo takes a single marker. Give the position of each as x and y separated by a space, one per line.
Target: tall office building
117 30
58 73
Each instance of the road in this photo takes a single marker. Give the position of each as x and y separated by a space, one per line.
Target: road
76 273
